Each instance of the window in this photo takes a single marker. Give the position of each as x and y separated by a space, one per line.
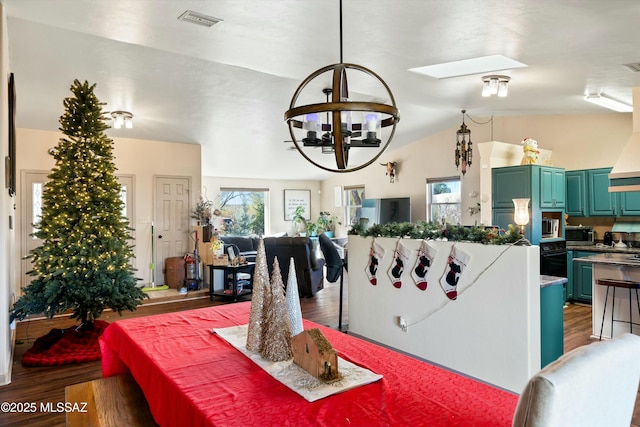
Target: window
353 197
443 200
244 211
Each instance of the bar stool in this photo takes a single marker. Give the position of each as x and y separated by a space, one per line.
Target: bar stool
615 283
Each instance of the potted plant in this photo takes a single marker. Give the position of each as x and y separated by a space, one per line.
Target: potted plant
204 213
312 229
299 221
326 223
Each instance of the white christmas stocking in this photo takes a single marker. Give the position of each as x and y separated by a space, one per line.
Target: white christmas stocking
400 259
426 255
456 264
375 256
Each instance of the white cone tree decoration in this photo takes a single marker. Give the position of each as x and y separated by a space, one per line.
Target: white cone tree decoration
276 328
293 301
261 288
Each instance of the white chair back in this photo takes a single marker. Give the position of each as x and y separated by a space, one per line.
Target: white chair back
593 385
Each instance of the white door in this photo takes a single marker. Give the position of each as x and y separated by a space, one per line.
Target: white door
34 183
171 225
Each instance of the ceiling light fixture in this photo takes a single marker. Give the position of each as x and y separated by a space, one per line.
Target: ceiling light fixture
198 18
610 103
350 123
121 118
495 85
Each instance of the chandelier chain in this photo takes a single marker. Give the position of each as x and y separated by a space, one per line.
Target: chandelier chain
341 60
490 120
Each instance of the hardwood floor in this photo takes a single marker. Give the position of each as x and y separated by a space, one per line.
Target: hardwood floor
42 385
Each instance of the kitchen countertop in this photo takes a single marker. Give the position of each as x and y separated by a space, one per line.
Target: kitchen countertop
546 281
606 249
622 259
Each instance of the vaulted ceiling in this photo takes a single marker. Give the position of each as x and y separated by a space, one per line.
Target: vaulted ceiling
228 86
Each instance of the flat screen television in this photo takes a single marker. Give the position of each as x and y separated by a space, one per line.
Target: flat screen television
383 211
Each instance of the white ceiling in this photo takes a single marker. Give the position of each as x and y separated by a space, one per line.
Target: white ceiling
227 87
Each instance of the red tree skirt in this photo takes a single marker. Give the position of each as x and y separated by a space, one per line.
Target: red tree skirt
66 346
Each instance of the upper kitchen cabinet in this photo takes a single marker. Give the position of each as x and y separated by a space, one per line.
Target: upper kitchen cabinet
629 203
543 185
510 183
576 193
601 202
604 203
552 187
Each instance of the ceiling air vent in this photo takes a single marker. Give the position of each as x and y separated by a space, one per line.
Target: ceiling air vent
198 18
635 66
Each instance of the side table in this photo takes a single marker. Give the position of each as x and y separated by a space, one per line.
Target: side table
232 270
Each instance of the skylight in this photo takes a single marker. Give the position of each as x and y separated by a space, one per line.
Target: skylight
465 67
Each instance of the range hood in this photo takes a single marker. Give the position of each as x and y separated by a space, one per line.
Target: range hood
625 175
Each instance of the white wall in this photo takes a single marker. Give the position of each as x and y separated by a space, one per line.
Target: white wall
211 185
7 234
491 331
143 159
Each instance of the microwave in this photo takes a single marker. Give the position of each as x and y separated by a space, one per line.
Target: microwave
578 235
550 228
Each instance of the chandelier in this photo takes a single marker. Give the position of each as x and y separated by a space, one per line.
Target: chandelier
122 118
464 151
341 123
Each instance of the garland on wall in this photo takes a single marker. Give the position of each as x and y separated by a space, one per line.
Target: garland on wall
435 231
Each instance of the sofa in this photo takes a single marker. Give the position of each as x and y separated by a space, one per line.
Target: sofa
309 269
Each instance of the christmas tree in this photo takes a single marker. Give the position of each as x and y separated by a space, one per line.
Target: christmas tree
276 339
261 289
84 262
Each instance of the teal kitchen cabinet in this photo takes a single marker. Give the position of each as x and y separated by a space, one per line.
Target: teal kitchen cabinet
576 193
582 277
551 324
604 203
552 187
629 203
543 185
568 289
601 202
510 183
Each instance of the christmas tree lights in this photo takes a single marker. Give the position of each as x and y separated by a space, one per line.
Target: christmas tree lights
83 263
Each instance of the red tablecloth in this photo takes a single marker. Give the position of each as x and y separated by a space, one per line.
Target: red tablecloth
191 377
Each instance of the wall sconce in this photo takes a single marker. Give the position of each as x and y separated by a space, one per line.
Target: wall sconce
495 85
521 215
122 118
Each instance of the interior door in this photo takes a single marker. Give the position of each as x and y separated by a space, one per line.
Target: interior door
33 187
171 226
